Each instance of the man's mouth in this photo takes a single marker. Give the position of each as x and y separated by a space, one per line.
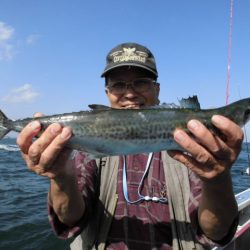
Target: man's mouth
132 106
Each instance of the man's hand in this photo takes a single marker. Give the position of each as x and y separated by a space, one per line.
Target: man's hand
48 157
41 155
209 156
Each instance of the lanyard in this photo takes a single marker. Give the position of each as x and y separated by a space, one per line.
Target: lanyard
141 197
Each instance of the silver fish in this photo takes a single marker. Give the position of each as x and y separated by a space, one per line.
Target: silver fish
105 131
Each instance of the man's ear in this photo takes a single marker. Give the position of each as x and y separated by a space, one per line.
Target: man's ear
158 88
158 92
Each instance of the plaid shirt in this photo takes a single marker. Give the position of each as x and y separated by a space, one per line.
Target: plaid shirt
135 226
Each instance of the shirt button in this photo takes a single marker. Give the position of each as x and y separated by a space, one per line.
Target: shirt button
136 168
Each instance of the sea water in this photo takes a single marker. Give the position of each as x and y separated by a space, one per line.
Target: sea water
23 205
23 201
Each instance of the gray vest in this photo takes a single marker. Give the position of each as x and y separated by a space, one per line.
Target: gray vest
94 236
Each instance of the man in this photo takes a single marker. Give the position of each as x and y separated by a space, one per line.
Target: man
165 200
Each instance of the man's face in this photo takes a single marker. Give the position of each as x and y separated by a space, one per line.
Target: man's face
130 98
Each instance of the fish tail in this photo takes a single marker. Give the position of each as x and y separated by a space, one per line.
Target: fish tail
3 123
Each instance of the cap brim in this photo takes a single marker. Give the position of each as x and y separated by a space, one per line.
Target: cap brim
128 64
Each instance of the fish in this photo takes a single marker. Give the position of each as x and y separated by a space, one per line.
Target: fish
104 131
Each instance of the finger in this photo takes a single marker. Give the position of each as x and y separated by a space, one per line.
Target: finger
50 154
199 153
186 160
34 168
24 139
203 171
63 159
231 130
37 148
208 140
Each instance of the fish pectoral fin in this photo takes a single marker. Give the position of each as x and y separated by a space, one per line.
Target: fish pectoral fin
98 107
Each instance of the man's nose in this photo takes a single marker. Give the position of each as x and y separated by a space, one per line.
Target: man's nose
130 90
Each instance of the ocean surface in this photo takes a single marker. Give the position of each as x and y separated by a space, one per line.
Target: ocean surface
23 201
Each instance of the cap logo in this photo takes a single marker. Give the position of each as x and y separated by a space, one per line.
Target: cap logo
129 54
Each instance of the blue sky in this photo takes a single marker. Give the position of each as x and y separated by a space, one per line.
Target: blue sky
53 52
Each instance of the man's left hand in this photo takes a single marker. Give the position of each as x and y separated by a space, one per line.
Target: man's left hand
207 154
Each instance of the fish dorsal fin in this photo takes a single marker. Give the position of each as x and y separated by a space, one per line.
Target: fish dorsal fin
190 103
168 106
98 107
187 103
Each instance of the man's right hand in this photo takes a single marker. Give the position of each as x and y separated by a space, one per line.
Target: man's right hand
41 155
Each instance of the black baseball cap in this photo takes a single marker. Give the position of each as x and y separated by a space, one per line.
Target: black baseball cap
130 54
